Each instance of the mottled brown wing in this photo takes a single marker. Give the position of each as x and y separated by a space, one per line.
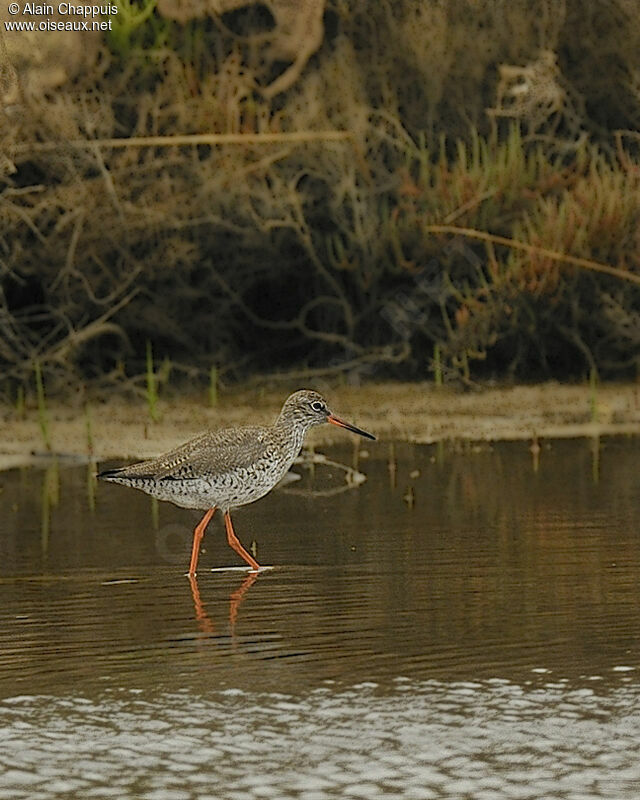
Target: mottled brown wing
211 453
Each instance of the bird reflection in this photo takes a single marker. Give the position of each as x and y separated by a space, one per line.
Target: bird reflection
236 598
205 623
202 618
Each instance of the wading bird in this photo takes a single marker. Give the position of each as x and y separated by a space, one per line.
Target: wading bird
230 467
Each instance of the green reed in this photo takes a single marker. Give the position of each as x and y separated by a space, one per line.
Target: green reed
437 365
43 416
152 388
88 426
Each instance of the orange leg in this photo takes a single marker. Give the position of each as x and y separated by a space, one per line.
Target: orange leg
235 543
197 538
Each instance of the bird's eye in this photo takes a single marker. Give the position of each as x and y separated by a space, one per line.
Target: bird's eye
317 406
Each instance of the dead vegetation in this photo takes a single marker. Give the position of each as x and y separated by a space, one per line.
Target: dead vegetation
438 176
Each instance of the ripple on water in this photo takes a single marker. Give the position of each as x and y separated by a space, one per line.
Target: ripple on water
499 568
483 740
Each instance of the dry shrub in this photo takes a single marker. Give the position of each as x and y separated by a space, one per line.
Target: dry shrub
600 52
433 64
525 310
552 316
277 254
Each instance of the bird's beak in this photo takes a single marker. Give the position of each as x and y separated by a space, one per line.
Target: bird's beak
342 424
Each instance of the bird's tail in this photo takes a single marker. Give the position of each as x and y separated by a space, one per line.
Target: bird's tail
111 474
131 475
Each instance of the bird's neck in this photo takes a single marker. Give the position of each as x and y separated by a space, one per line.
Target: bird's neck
292 432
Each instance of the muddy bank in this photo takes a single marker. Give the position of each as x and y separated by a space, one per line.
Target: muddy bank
407 412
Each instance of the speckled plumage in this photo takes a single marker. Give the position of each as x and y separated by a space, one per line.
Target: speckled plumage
225 468
230 467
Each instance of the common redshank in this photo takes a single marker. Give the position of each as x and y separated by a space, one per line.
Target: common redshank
230 467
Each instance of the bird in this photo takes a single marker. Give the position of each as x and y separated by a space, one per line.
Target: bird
230 467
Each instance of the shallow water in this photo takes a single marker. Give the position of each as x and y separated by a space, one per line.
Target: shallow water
465 624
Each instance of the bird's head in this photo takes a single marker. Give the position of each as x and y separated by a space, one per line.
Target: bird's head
308 408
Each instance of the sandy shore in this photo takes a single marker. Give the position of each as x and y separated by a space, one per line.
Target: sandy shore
407 412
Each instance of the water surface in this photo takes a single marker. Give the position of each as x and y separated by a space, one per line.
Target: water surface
465 624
